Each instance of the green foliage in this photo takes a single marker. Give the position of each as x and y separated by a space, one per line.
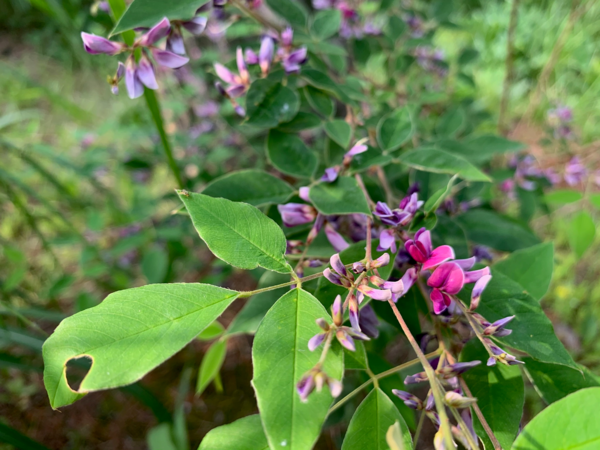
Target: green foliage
291 11
438 161
500 395
394 130
343 196
243 434
339 131
564 424
290 155
530 267
269 103
147 13
581 233
371 421
211 364
146 325
563 196
155 264
280 358
237 233
255 187
326 23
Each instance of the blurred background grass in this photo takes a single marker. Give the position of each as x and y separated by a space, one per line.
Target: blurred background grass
86 201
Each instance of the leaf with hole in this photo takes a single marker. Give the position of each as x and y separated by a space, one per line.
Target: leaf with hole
290 155
255 187
280 357
237 233
146 325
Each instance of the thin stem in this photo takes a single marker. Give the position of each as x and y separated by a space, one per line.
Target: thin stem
378 377
361 184
389 196
299 281
435 388
480 416
463 427
419 428
508 65
373 377
369 251
474 326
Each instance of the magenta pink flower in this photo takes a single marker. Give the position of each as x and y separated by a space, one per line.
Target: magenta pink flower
448 279
422 251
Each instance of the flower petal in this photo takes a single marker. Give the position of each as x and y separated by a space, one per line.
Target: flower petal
156 33
466 264
96 45
345 340
474 275
265 54
337 264
175 42
315 341
168 59
335 239
251 56
375 294
196 25
353 312
145 73
332 277
437 298
438 256
387 239
135 88
478 290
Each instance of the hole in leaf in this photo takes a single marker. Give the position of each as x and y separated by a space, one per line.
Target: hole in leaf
77 369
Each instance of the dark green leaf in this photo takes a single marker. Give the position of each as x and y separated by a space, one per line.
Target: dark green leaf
395 28
243 434
290 155
553 381
147 13
256 187
290 10
269 103
280 358
357 359
371 421
434 202
322 81
320 101
394 130
467 55
326 23
448 232
302 121
497 231
452 122
530 267
439 161
581 233
570 423
237 233
343 196
339 131
211 364
372 157
11 436
500 394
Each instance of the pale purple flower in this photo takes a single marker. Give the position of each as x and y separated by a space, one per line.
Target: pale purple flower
368 322
500 355
331 174
497 328
375 294
453 370
292 61
265 54
335 239
155 34
293 214
480 285
303 193
575 172
401 216
287 36
96 45
409 399
416 378
387 240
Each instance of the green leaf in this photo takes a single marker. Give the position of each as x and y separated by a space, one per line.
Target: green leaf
243 434
481 149
302 121
343 196
532 332
356 360
161 437
371 421
553 381
289 155
451 123
326 23
530 267
13 437
213 331
211 364
255 187
290 10
500 394
571 423
581 233
439 161
595 200
394 130
372 157
434 202
253 312
155 264
280 358
563 196
322 81
147 13
339 131
320 101
326 48
448 232
269 103
497 231
237 233
145 325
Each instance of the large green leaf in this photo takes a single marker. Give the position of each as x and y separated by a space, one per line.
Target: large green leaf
571 423
434 160
252 186
301 121
448 232
320 101
243 434
128 334
343 196
581 233
394 129
340 131
237 233
290 10
480 149
371 421
326 23
269 103
530 267
280 358
500 394
553 381
563 196
147 13
290 155
497 231
211 364
322 81
253 312
532 332
451 123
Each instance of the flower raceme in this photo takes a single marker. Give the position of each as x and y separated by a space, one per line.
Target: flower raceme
137 73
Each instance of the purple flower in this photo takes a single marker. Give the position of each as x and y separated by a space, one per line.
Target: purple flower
480 285
155 34
292 61
331 174
482 253
575 172
408 279
316 379
265 55
114 81
448 279
293 214
287 36
368 322
416 378
453 370
409 399
497 328
500 355
335 239
387 241
96 45
422 251
358 148
375 294
401 216
339 275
